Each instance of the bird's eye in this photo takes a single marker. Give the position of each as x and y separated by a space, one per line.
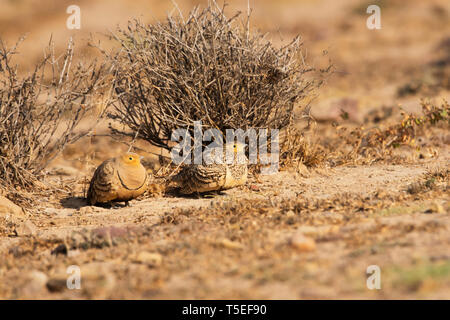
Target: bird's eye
130 158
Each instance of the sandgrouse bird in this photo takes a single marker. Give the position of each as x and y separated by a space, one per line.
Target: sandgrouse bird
118 179
196 178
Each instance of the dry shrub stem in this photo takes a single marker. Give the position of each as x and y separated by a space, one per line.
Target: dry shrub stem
207 68
406 131
40 112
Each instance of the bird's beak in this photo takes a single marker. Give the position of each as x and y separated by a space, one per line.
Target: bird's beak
141 157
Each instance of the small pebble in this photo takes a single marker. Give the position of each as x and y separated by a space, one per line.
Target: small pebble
302 243
26 228
231 244
151 259
86 210
290 213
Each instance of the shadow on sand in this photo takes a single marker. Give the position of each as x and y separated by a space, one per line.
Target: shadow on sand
74 202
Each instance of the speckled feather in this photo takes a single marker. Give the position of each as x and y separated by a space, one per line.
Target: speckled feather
215 177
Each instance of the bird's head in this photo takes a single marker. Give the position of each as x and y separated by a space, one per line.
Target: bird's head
237 149
131 159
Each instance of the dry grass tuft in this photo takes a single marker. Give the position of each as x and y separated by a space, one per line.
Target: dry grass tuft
296 149
432 180
405 132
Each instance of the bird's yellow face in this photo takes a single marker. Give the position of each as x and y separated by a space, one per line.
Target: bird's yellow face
238 150
238 147
131 159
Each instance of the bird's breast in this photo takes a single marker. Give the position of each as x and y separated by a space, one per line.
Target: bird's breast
132 178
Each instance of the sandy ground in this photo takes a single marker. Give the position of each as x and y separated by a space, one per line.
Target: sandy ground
298 234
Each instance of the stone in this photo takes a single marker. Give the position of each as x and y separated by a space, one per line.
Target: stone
10 209
26 228
97 279
302 243
151 259
290 213
86 210
231 244
35 282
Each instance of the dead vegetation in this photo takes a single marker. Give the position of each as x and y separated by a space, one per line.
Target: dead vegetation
428 186
343 144
406 131
296 149
208 68
40 113
433 180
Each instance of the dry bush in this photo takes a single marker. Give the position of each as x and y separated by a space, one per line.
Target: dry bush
40 112
296 149
206 67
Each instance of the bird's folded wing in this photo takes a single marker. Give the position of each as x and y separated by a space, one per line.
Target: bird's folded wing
103 179
207 174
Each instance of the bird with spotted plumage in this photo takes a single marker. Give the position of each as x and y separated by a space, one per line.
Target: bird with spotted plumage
119 179
196 178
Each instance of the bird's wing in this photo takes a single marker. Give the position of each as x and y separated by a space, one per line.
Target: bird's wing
103 181
202 175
